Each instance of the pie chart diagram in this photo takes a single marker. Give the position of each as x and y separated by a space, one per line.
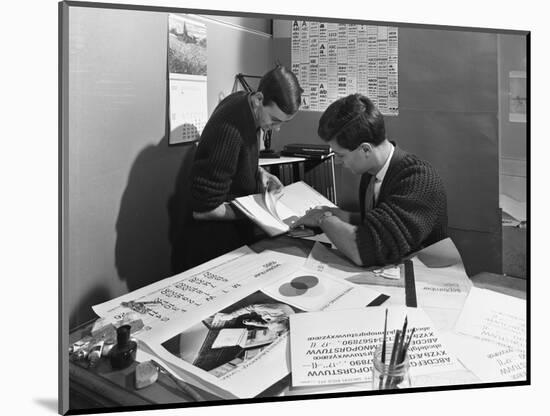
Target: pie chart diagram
301 286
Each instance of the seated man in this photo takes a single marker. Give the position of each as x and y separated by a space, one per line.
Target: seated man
402 198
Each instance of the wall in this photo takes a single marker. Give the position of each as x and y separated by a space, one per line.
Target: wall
125 187
447 115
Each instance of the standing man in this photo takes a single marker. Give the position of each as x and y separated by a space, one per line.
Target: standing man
226 164
402 199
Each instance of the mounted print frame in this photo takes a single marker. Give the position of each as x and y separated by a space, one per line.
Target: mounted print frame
283 319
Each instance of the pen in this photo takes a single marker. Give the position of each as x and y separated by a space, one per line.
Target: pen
393 358
395 347
402 342
406 347
383 354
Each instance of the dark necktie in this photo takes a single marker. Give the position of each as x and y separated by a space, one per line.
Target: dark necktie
369 195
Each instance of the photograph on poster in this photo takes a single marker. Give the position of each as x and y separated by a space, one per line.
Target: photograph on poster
376 242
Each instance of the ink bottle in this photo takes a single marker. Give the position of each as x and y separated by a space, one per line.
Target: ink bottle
385 375
123 354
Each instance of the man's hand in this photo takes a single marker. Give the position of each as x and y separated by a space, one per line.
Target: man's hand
337 212
311 218
270 182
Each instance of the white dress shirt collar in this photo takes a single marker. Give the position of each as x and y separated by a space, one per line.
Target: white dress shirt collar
382 173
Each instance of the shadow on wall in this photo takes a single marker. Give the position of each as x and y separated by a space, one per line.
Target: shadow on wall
179 209
85 313
152 212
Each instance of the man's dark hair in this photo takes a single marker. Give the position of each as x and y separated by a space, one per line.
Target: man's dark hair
351 121
281 87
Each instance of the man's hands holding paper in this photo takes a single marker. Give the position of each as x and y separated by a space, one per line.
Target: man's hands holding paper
270 182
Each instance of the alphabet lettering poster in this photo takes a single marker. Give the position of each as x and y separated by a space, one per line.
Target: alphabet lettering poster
332 60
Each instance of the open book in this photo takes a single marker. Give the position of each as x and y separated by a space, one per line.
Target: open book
274 213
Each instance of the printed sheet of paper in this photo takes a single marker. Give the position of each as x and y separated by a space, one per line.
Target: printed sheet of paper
329 261
182 295
332 60
315 291
442 284
490 362
441 292
324 259
337 347
494 318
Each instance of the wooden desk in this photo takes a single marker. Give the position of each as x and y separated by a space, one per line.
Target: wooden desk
103 388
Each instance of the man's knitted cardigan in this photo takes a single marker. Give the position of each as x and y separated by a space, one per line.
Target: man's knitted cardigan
226 161
411 211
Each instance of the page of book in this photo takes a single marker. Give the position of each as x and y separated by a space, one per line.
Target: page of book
299 197
274 213
253 206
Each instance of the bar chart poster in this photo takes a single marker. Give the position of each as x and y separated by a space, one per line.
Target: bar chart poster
332 60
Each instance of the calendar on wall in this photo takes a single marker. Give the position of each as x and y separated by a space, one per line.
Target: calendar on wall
187 68
332 60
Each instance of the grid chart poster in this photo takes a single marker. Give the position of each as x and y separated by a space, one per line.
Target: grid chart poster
332 60
187 68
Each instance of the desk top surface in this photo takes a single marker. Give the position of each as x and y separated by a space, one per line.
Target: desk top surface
116 388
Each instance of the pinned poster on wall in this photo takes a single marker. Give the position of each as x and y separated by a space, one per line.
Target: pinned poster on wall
332 60
187 68
518 96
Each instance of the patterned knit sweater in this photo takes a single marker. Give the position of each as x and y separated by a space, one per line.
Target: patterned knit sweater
411 211
226 160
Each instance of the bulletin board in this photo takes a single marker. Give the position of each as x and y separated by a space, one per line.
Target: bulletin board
333 60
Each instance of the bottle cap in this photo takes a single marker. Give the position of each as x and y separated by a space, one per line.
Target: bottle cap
123 334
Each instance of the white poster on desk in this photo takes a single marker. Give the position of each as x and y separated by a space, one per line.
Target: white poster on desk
241 338
187 68
337 347
183 297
